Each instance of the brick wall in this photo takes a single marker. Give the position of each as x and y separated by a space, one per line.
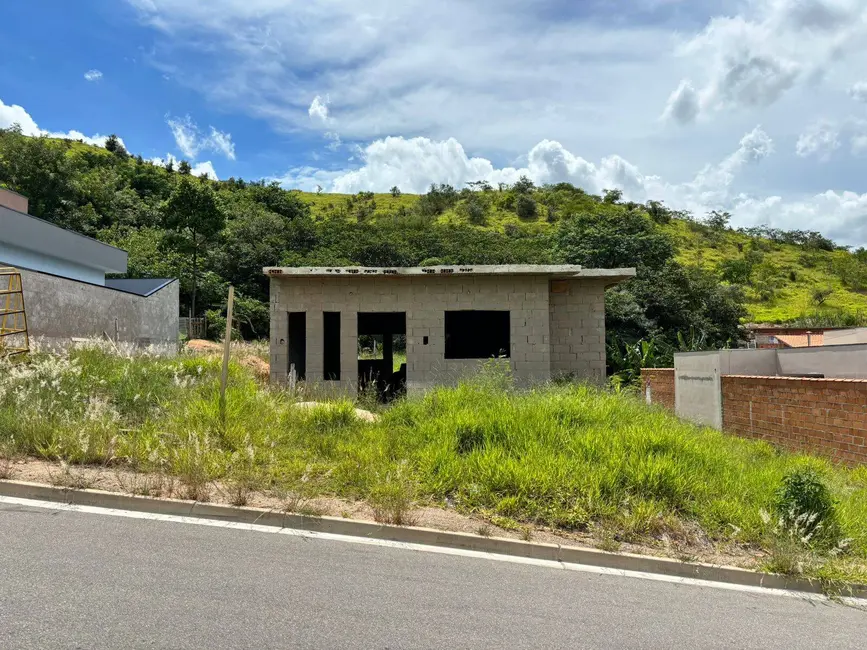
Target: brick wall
657 386
825 416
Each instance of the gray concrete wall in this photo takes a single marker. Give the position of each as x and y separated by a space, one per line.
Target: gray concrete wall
837 361
846 337
747 362
697 395
59 310
424 299
577 318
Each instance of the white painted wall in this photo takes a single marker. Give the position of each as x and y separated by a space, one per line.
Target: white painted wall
27 259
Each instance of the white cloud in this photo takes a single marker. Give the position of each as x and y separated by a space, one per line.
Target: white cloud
93 75
191 141
319 109
413 164
821 139
858 91
683 104
185 133
859 144
15 114
752 59
197 169
222 142
334 140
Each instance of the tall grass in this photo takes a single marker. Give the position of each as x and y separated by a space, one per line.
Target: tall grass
568 456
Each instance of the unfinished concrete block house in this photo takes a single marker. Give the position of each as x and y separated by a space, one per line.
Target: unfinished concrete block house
543 321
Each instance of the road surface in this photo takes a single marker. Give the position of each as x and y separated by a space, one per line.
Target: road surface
76 580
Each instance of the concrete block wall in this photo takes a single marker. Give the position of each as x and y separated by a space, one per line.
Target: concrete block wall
657 386
59 310
425 299
577 322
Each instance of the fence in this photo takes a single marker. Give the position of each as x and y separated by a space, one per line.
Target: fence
824 416
193 328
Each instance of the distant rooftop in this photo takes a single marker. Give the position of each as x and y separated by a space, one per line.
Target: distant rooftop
556 271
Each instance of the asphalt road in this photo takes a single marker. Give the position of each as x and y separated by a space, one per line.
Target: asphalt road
73 580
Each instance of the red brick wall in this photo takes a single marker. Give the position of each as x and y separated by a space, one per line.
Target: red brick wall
658 383
825 416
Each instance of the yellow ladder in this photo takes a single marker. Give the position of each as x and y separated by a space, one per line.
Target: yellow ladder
14 338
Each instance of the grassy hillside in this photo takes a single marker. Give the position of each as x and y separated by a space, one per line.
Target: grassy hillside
122 199
787 282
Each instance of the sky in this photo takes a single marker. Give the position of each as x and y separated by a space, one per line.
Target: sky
758 107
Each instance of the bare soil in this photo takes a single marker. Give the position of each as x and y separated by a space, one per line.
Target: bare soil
689 545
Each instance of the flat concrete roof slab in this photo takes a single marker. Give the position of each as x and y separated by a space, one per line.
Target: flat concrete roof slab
555 271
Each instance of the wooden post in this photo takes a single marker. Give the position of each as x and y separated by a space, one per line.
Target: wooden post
224 379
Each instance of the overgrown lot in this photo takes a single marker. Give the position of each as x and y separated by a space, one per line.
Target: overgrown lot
567 457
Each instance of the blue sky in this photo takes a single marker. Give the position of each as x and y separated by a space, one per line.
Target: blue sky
758 106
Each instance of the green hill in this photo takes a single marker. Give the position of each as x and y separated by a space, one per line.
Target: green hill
698 279
783 282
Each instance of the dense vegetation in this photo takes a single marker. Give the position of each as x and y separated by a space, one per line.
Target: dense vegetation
698 280
569 456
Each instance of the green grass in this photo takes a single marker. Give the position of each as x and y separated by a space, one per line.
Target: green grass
570 457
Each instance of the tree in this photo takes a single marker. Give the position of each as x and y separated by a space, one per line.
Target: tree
170 166
525 206
474 208
184 168
612 196
114 145
664 298
193 214
523 186
395 191
718 220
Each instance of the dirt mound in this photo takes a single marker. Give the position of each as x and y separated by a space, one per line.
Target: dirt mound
260 368
201 345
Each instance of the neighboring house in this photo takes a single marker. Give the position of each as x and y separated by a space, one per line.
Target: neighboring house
539 321
769 337
66 293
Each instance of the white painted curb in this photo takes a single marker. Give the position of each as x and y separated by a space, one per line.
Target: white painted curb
422 536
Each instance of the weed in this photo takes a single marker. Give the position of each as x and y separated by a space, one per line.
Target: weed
806 508
69 478
506 523
7 458
392 499
484 530
608 542
526 533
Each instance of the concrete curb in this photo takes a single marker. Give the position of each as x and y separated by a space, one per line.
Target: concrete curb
425 536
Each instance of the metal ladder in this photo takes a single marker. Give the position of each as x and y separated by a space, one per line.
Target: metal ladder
14 338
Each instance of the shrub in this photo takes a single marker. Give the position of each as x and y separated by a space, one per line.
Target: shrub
525 207
804 504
